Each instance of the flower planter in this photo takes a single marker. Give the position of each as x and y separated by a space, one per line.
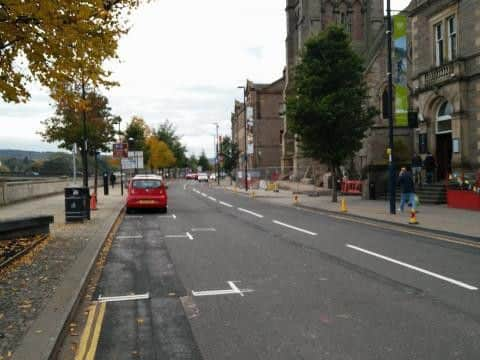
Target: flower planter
461 199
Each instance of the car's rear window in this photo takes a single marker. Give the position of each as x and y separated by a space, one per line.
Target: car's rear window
147 184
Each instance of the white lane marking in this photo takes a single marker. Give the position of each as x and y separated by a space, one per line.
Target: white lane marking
134 217
251 212
185 187
203 229
226 204
295 228
234 290
174 216
412 267
189 236
130 237
176 236
204 195
167 217
102 299
212 198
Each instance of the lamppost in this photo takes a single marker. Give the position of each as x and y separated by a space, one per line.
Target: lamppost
245 120
217 145
132 141
118 121
391 164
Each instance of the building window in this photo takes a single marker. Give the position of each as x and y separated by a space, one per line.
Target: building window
452 38
439 44
444 118
344 19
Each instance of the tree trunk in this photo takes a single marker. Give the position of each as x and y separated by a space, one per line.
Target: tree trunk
334 184
96 175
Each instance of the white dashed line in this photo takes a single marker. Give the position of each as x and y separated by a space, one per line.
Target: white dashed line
102 299
412 267
204 195
212 198
130 237
251 212
226 204
295 228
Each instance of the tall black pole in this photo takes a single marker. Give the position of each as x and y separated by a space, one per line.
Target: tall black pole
391 164
85 140
121 158
246 150
216 156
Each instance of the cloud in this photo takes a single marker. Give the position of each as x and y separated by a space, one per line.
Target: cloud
182 61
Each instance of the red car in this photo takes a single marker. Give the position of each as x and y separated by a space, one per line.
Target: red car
147 192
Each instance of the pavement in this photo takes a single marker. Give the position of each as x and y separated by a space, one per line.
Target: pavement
437 218
224 276
38 293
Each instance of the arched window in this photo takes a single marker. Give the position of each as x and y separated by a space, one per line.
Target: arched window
444 118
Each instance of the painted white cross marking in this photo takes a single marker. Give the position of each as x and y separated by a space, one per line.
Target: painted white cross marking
234 290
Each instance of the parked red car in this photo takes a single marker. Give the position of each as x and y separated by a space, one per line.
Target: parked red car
147 192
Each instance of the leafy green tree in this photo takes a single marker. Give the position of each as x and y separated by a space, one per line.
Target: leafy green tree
136 135
56 165
328 109
203 162
166 132
192 162
230 153
66 127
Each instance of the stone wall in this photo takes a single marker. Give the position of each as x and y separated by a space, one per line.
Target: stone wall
11 192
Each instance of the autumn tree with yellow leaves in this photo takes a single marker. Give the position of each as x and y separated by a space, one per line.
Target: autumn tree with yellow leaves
161 156
58 43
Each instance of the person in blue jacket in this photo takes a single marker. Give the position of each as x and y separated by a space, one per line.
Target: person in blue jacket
407 189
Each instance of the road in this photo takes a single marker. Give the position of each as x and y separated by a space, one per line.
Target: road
223 276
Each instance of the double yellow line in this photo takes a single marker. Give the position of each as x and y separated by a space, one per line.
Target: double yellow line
91 333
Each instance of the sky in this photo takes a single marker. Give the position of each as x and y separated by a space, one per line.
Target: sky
182 61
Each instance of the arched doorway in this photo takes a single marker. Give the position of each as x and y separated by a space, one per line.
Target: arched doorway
443 129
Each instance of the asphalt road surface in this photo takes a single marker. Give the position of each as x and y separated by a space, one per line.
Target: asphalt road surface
223 276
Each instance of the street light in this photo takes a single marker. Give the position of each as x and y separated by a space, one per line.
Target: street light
217 145
118 120
245 118
391 165
132 140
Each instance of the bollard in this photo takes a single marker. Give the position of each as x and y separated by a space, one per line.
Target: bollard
252 194
93 202
413 217
343 206
295 199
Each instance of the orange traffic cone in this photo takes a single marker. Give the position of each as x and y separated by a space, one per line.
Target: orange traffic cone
93 202
295 199
413 217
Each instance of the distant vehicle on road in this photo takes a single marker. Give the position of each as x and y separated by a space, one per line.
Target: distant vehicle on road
213 176
191 176
202 177
147 192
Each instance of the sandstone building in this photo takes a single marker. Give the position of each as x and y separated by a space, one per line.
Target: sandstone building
444 81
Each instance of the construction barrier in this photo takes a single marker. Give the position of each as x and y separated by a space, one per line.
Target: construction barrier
351 187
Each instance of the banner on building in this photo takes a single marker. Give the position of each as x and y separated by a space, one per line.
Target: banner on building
400 69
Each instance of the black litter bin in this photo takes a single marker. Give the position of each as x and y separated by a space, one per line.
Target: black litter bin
371 190
77 204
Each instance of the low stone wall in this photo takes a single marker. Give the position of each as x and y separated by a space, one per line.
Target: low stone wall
11 192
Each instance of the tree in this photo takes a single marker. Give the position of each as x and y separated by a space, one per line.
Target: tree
166 132
161 156
192 163
59 40
66 127
136 135
203 162
328 108
230 153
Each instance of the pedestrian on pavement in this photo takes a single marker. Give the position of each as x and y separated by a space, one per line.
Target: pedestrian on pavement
429 165
113 180
417 168
407 189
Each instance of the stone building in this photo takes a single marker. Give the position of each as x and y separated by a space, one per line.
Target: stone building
444 79
264 126
364 21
